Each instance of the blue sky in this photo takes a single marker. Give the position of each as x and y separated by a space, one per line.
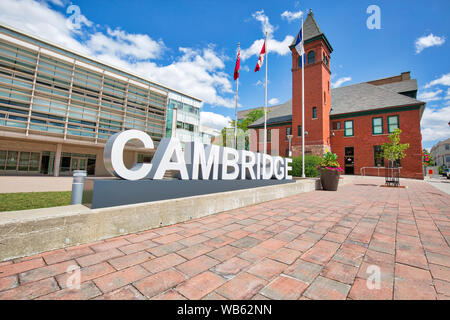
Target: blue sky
191 45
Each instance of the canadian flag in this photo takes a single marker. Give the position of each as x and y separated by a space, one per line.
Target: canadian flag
261 57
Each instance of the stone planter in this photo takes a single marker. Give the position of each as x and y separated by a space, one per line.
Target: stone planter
329 179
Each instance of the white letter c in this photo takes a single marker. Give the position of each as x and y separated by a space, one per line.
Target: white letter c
113 155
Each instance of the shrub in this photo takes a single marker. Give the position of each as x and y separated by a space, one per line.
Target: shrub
311 162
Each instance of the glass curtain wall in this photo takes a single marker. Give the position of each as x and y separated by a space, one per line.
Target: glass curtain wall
43 95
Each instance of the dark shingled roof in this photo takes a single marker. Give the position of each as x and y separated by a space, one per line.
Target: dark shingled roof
277 114
402 86
311 30
364 96
353 98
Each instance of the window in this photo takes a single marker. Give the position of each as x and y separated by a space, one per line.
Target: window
311 57
392 123
288 131
23 162
447 159
299 131
11 161
447 147
314 113
325 59
348 126
377 125
269 135
378 156
336 125
324 97
2 159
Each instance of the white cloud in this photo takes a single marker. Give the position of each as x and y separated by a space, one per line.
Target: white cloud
435 123
273 101
57 2
291 16
339 82
38 19
265 24
273 45
214 120
428 41
125 45
443 80
430 95
447 96
199 73
245 68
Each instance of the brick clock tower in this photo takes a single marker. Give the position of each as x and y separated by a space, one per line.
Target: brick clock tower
317 76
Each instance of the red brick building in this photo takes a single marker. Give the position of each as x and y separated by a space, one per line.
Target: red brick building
353 121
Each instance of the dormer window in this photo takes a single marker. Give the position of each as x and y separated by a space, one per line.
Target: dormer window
311 57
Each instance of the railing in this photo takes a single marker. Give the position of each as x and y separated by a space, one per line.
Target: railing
363 170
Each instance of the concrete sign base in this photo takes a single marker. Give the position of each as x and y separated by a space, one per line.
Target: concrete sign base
103 193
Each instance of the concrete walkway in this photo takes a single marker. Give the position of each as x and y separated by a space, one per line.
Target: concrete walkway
361 242
13 184
441 183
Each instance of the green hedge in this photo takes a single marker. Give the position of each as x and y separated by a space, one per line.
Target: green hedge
311 163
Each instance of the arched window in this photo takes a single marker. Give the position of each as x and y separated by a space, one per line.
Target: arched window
311 57
325 59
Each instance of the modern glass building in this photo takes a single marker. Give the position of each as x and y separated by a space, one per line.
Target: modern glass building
188 118
58 108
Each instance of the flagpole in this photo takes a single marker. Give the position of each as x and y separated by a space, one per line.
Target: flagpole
303 107
265 100
235 107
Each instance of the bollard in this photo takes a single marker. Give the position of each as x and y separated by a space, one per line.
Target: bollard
77 186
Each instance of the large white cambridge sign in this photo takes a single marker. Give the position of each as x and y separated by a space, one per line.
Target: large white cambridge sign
201 169
197 162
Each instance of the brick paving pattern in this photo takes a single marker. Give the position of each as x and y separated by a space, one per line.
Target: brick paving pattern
316 245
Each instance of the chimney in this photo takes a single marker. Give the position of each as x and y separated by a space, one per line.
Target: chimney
406 75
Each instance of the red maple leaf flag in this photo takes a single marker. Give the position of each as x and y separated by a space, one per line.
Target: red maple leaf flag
261 57
238 64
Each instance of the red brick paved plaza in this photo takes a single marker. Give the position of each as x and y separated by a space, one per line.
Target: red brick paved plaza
317 245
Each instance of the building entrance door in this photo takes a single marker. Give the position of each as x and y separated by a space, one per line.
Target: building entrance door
78 164
349 162
45 162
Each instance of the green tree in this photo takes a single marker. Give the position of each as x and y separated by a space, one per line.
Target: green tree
251 117
394 150
243 124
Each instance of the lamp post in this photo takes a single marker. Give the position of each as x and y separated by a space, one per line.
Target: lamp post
289 136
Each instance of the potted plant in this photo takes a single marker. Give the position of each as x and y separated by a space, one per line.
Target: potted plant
330 170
